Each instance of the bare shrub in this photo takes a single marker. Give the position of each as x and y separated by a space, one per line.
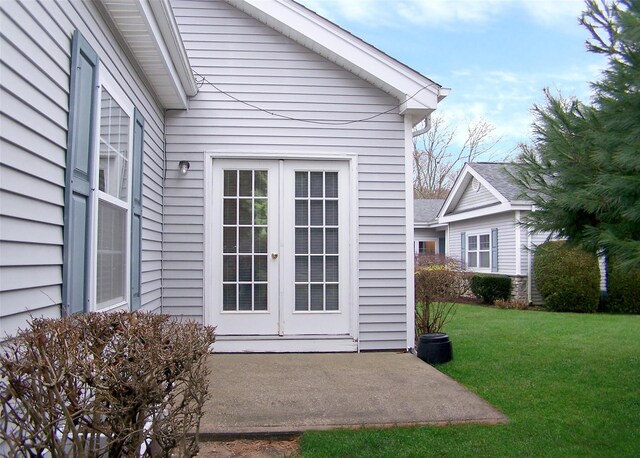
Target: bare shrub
435 295
462 284
116 384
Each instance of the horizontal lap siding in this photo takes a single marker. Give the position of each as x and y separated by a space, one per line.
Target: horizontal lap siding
260 66
505 222
473 199
35 60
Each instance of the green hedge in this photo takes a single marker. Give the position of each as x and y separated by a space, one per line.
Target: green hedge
624 289
489 288
568 278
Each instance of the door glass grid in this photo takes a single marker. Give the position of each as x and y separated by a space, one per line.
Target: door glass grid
244 233
316 241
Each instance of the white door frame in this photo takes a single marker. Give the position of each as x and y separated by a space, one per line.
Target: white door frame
312 343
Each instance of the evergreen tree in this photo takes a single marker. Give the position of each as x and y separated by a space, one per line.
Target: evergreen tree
583 168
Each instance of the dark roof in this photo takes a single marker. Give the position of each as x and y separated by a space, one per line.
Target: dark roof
496 173
426 210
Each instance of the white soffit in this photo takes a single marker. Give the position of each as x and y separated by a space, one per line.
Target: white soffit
417 94
150 31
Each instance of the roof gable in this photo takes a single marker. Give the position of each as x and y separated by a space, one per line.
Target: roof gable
495 192
417 95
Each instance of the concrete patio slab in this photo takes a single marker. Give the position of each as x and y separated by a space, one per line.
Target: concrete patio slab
286 394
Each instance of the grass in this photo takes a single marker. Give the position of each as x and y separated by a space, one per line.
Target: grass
569 383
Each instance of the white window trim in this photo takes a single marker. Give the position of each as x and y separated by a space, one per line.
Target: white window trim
107 81
478 251
422 240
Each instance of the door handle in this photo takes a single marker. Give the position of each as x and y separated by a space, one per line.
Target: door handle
274 255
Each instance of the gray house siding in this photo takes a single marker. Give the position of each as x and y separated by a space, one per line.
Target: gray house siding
36 46
471 199
258 65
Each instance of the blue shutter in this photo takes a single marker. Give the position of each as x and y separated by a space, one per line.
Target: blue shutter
463 249
79 163
136 209
442 248
494 249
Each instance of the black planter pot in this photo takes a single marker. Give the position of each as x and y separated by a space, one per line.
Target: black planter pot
435 348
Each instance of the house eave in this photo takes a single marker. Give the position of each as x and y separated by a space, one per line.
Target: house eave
151 34
417 95
488 210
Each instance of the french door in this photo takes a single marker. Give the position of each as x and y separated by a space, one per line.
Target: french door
280 248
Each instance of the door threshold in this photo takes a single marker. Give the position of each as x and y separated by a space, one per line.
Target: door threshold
285 344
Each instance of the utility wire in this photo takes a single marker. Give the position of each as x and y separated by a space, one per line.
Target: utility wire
201 80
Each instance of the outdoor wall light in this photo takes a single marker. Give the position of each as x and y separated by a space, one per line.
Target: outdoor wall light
183 166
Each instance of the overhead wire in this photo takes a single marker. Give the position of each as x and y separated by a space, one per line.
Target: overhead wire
201 80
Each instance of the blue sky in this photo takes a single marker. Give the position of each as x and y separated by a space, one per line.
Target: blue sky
497 56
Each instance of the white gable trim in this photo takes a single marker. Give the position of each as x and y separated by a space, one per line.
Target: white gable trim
484 211
150 31
417 95
460 185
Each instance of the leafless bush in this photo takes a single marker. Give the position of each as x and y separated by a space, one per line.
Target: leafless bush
98 384
517 304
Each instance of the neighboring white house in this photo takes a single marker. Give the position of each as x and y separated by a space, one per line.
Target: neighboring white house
480 218
242 163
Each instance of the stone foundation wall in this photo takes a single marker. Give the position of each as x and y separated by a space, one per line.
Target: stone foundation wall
519 290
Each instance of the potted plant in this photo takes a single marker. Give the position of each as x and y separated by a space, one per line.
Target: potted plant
436 289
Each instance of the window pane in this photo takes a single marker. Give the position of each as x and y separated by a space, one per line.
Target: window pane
316 241
260 207
245 243
472 259
302 184
261 183
260 268
316 184
317 213
245 297
332 297
246 215
317 297
244 271
229 297
332 241
229 240
229 268
230 183
302 268
302 240
230 212
302 210
260 240
484 242
302 297
317 269
260 297
331 184
484 259
331 208
111 258
331 268
113 174
246 183
473 243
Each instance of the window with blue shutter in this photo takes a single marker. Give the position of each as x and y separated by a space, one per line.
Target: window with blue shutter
463 249
78 181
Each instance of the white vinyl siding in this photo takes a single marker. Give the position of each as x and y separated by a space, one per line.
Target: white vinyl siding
35 61
505 224
258 65
471 198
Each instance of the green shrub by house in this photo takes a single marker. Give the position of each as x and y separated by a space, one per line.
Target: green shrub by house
489 288
624 289
568 278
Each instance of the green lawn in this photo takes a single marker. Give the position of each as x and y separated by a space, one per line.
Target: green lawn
569 383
